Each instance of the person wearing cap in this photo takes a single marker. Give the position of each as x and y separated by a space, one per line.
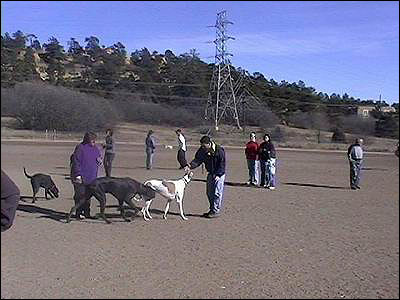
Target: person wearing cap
355 157
150 147
84 162
181 155
213 157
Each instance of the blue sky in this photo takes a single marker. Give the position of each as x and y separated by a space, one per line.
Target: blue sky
336 47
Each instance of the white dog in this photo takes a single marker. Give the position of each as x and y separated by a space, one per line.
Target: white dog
169 189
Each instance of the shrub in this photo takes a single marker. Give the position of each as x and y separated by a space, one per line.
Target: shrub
338 136
387 126
357 125
261 118
38 106
278 134
309 120
154 113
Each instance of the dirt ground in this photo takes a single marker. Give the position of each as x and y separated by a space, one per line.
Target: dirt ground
312 237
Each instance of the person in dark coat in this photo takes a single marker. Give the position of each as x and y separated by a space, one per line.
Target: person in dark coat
213 156
267 154
150 147
10 196
85 162
109 152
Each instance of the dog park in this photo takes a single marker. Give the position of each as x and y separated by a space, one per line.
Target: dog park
312 237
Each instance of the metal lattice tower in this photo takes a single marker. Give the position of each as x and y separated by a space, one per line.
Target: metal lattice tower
221 103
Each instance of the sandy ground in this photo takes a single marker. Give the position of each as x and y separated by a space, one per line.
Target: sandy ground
312 237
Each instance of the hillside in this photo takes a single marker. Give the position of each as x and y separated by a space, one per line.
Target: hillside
179 82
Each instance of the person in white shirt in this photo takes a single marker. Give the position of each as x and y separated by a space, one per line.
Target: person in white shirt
181 155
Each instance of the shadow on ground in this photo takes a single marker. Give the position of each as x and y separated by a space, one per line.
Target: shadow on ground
316 185
230 183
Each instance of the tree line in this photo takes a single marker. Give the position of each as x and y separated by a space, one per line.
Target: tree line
179 81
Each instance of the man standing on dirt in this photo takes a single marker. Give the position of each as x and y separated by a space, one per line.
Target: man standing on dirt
355 156
150 147
213 156
251 152
181 155
109 152
10 196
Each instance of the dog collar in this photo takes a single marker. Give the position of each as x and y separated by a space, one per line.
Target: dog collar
185 180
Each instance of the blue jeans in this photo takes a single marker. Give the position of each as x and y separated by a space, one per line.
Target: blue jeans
107 163
251 165
268 170
355 172
257 173
149 159
215 192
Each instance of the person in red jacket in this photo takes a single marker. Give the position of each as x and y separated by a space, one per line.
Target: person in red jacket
251 152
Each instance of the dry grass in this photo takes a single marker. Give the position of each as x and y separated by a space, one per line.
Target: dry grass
227 135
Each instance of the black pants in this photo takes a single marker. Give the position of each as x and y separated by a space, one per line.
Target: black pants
181 156
108 158
79 193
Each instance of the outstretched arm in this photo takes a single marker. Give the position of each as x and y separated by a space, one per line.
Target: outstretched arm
197 161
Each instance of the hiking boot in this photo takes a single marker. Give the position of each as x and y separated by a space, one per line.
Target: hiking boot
212 215
206 214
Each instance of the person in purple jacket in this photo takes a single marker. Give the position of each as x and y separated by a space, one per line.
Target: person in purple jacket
85 161
10 196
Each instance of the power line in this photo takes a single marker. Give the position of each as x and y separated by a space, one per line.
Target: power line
264 98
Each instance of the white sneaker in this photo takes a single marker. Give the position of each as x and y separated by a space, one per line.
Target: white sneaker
271 188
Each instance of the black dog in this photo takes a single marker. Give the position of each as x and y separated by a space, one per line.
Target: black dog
124 189
42 180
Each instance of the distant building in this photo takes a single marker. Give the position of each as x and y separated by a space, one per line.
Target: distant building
387 109
364 111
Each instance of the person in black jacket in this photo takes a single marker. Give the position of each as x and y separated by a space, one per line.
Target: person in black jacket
213 156
10 196
109 152
150 147
267 155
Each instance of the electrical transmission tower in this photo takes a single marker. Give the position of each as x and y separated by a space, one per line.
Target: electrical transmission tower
221 103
